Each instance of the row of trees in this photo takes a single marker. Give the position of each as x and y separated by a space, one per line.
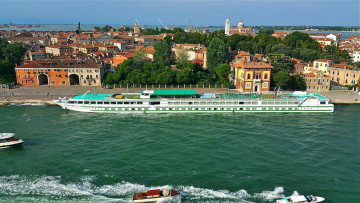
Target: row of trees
154 73
10 55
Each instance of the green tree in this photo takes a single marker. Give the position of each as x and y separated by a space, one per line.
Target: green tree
183 55
223 71
266 31
216 54
106 28
97 28
166 76
184 76
139 58
162 53
14 52
281 49
297 82
281 78
301 40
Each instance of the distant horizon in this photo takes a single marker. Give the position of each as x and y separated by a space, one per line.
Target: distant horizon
179 12
14 23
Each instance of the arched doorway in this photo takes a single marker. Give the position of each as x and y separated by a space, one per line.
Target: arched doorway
256 88
43 79
74 79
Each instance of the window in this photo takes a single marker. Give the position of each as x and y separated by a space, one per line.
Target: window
248 76
266 76
63 82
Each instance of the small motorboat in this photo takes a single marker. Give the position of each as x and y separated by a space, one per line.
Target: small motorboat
155 195
8 140
300 199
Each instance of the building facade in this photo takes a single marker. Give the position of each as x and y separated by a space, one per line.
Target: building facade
317 81
252 76
58 72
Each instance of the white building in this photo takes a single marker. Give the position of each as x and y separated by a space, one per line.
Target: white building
356 55
227 27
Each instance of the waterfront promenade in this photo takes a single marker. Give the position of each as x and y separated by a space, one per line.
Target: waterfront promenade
45 94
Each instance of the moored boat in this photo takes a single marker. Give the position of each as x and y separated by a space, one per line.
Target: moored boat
155 195
8 140
188 101
300 199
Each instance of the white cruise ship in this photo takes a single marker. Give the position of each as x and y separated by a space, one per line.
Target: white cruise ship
188 101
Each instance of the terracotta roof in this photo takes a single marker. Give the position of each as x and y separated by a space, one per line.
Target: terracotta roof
251 64
60 46
81 36
61 63
202 50
322 60
149 50
242 53
97 35
310 75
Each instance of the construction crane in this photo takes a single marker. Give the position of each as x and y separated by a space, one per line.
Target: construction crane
190 26
164 26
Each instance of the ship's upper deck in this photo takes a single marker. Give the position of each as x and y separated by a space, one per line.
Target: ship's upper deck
225 96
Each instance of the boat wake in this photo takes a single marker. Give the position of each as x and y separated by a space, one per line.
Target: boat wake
53 188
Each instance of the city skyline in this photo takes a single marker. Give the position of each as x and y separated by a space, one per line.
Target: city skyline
201 12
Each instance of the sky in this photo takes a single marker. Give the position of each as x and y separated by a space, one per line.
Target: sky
178 12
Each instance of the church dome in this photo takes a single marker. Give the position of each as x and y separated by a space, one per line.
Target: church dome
241 24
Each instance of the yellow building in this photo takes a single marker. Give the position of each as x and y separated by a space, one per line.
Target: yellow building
252 76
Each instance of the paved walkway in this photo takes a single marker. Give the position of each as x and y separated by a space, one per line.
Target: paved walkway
45 93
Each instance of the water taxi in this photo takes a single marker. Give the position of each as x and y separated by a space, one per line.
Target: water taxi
8 140
188 101
155 195
301 199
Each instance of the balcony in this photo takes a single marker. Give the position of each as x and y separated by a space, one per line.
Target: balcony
257 80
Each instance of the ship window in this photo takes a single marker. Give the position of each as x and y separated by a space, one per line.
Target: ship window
126 102
290 103
155 103
139 103
283 102
277 102
254 103
276 108
264 103
80 102
241 109
196 103
113 102
106 102
215 109
133 109
222 103
190 103
71 102
241 103
323 102
171 103
93 102
296 102
132 102
176 103
203 103
216 103
119 103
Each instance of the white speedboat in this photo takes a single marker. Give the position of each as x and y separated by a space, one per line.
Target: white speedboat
300 199
155 195
8 140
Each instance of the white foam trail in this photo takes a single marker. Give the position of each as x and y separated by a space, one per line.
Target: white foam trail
51 187
277 193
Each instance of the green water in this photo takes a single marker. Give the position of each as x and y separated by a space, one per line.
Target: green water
73 157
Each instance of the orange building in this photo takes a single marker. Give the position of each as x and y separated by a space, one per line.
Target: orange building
252 76
119 59
59 72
